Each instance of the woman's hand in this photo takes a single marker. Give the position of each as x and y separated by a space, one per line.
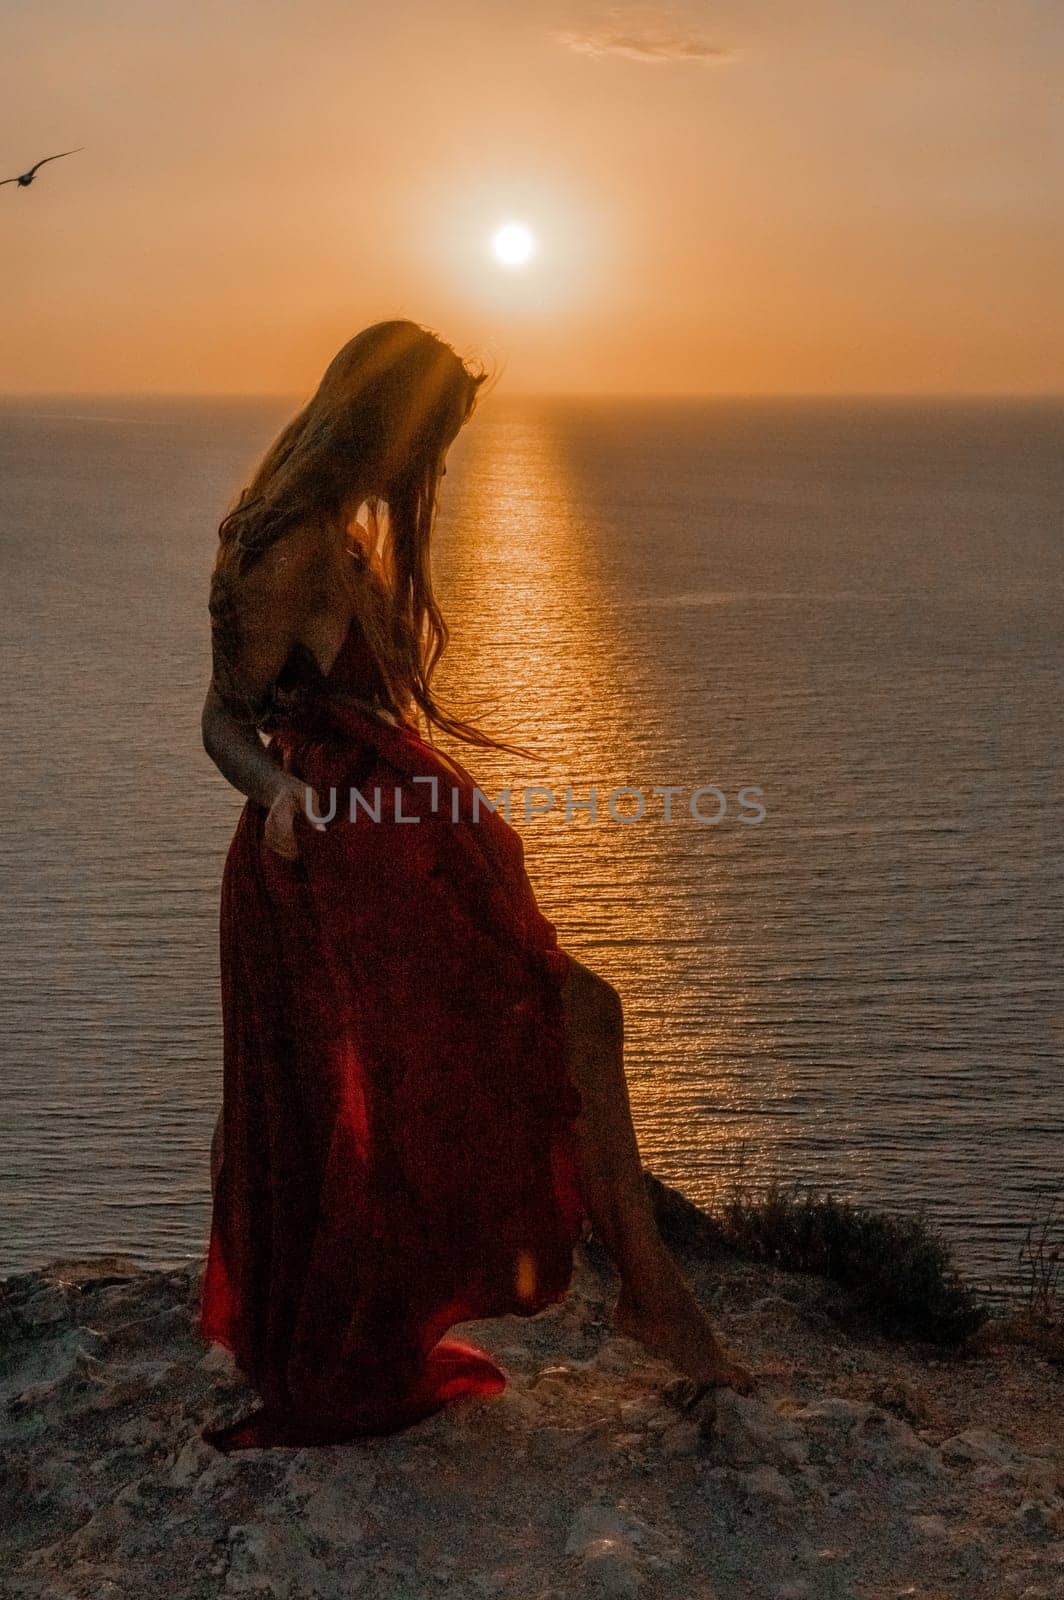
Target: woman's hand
293 796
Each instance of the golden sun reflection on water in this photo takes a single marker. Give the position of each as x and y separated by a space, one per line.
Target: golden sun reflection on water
539 654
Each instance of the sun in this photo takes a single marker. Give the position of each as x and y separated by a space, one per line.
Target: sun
514 244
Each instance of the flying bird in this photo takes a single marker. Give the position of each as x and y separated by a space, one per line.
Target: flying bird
26 178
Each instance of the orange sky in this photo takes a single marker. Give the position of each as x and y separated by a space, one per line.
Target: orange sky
754 198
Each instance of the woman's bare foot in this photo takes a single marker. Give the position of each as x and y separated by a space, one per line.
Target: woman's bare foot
676 1329
656 1305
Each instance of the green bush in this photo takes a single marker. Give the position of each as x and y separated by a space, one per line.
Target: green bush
898 1272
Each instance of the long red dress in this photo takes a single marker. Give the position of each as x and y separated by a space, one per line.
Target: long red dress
397 1111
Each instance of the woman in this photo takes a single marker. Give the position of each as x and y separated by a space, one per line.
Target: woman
424 1095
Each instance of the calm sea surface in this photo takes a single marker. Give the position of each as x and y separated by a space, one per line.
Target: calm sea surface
855 608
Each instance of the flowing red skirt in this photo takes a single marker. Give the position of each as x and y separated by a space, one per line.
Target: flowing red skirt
397 1112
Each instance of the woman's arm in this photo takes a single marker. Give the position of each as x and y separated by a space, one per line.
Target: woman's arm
269 614
236 748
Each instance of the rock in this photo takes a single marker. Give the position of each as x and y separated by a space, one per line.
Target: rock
205 1486
719 1480
749 1431
615 1356
555 1383
586 1478
611 1569
826 1556
47 1309
664 1417
562 1372
217 1360
885 1439
931 1528
331 1514
978 1445
594 1522
968 1559
681 1439
1038 1522
1041 1478
254 1563
629 1441
636 1413
901 1400
767 1483
834 1414
605 1540
516 1408
194 1457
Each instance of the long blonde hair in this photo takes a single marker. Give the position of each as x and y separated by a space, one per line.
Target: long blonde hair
388 405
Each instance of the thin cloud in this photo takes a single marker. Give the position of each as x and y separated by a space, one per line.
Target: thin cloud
641 39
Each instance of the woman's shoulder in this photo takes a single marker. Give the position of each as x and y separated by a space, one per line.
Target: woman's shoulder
259 603
254 591
292 561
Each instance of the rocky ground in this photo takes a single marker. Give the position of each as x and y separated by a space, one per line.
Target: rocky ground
862 1469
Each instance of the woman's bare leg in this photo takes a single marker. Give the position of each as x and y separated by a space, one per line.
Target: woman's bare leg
655 1305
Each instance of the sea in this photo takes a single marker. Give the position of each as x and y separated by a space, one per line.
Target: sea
808 655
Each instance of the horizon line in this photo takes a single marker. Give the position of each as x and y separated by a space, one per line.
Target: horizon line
292 396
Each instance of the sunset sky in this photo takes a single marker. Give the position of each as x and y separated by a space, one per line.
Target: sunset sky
753 196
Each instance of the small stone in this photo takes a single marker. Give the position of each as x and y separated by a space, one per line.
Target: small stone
252 1555
559 1372
329 1514
593 1523
767 1483
929 1527
1041 1478
719 1478
636 1413
901 1400
609 1565
46 1308
193 1458
844 1502
749 1431
682 1439
978 1445
554 1383
1037 1521
217 1359
834 1413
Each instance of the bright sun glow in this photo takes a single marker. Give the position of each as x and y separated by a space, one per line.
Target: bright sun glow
513 244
